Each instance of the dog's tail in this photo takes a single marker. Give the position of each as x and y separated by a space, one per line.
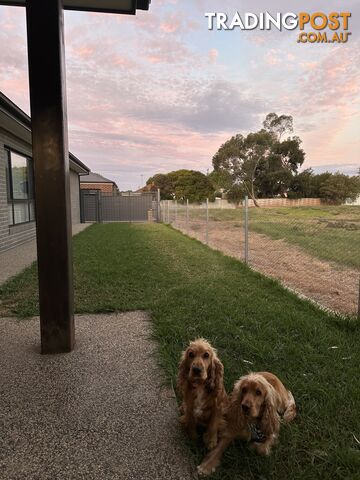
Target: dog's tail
290 411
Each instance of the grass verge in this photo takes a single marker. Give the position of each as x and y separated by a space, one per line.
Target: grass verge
254 323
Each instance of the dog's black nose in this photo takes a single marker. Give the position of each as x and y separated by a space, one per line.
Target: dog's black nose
196 370
245 408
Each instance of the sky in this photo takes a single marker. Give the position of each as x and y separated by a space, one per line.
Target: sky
158 91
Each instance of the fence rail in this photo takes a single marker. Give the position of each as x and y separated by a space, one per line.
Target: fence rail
310 248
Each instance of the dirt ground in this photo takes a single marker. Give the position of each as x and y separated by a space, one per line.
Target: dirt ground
331 285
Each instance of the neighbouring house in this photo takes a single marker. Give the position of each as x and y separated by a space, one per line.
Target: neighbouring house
17 206
149 187
95 181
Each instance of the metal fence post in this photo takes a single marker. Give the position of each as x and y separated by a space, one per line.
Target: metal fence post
158 205
168 211
246 229
187 216
130 209
207 221
176 211
359 301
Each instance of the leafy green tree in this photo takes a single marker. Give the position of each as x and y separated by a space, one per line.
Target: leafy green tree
165 183
182 185
236 194
339 187
221 180
262 163
302 185
317 181
278 124
194 186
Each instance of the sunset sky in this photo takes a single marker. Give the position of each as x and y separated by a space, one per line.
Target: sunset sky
159 91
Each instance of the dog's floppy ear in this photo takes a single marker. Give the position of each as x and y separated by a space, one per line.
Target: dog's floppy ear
183 373
270 421
215 375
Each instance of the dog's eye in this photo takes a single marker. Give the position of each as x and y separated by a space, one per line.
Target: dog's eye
206 355
244 390
191 354
258 392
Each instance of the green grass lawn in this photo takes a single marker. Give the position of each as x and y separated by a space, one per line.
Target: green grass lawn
329 233
193 291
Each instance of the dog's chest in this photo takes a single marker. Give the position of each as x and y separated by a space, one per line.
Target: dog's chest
199 403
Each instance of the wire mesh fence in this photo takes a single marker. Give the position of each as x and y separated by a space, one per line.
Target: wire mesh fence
313 250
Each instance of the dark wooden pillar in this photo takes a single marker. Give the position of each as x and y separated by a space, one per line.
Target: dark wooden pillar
45 30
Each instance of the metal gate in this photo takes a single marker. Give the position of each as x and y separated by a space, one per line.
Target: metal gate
97 206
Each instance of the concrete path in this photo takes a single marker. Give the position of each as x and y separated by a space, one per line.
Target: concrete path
100 412
13 261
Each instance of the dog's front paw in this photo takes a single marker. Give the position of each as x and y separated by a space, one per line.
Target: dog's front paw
210 440
205 469
262 449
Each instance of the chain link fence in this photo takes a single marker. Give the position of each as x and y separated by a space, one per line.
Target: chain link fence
311 248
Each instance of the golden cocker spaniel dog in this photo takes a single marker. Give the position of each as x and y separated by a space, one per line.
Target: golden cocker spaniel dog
257 403
200 384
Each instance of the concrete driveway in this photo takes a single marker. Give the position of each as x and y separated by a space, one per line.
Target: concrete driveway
100 412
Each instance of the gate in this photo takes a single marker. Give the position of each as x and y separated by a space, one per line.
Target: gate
97 206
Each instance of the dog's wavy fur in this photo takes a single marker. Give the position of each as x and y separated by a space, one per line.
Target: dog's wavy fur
200 384
260 400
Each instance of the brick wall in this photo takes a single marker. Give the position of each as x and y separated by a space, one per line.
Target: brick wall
104 187
10 236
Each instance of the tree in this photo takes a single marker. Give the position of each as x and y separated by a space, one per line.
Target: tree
278 125
339 187
302 185
262 163
183 184
165 183
221 181
236 194
194 186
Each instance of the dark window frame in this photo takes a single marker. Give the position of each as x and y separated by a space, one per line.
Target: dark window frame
30 186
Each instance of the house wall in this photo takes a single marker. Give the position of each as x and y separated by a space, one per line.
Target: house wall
104 187
75 197
13 235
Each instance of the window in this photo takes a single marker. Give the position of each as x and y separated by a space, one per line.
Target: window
20 188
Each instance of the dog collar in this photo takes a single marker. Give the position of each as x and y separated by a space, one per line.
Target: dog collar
256 434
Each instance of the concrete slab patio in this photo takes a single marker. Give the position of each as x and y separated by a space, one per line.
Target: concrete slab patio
14 260
100 412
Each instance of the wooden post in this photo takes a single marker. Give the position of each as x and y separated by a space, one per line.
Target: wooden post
45 32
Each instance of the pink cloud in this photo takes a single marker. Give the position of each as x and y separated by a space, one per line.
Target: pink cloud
272 57
171 24
213 55
83 52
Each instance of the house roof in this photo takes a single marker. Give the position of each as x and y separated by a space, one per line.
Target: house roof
17 122
150 187
95 178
